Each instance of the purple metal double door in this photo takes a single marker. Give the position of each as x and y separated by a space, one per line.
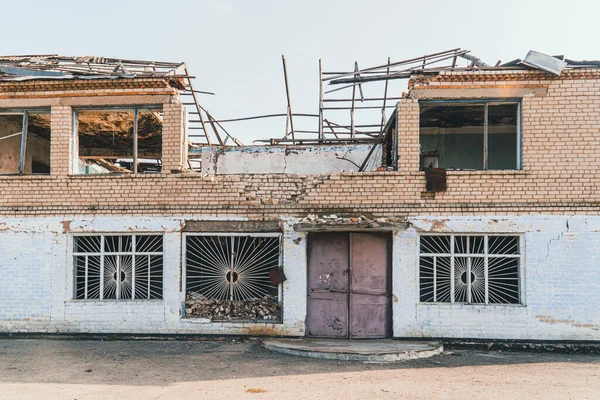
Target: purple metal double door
349 287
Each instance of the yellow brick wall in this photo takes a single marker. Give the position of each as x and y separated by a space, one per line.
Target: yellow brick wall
561 155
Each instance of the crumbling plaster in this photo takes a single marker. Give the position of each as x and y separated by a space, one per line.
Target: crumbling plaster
36 292
559 280
298 159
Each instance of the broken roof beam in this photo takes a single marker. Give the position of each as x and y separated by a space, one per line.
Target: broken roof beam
474 60
434 56
421 62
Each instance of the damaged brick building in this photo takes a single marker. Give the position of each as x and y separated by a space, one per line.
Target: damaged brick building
473 214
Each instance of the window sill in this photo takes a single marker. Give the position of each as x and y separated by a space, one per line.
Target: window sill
27 176
109 302
483 173
517 172
467 305
114 175
230 322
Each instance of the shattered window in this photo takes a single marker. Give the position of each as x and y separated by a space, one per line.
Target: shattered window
470 136
475 269
25 142
118 267
233 277
119 141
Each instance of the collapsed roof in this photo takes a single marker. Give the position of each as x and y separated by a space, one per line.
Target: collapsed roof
448 61
52 66
176 74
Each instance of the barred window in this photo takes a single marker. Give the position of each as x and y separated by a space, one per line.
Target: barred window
118 267
478 269
228 277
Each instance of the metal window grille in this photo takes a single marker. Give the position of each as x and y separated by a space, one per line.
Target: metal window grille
478 269
232 267
118 267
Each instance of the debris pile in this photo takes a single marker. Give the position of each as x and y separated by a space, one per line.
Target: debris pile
265 308
361 220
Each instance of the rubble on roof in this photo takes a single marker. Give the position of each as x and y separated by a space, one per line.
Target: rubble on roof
52 66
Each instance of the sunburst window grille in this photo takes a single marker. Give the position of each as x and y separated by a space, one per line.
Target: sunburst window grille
118 267
234 268
479 269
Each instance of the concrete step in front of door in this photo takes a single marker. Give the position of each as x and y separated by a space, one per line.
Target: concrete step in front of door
373 350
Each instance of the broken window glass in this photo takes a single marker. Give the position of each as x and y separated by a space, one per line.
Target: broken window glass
229 277
469 136
476 269
25 142
119 141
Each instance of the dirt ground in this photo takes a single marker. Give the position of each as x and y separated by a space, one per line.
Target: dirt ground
169 369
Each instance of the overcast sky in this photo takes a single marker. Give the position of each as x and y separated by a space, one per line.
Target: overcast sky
234 47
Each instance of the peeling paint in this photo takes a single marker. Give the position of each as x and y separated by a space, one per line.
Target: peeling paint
548 319
301 159
66 226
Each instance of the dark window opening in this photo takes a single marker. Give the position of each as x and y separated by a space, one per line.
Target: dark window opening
474 269
118 267
25 142
467 136
228 277
119 141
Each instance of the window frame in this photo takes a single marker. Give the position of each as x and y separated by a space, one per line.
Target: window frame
104 253
135 110
485 255
184 247
485 103
24 112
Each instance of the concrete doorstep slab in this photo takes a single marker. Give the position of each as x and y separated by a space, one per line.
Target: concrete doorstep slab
374 350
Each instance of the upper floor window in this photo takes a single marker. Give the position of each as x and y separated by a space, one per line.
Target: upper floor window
470 135
118 141
25 142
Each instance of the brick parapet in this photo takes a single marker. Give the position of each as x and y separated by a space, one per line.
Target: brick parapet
70 85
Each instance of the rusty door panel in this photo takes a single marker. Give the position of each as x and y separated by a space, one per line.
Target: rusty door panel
328 314
328 284
370 307
369 316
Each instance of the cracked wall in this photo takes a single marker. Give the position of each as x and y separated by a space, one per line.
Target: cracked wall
559 279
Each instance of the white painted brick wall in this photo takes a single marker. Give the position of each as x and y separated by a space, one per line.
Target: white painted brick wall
36 282
560 274
561 280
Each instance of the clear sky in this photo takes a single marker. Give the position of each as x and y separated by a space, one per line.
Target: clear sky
234 47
